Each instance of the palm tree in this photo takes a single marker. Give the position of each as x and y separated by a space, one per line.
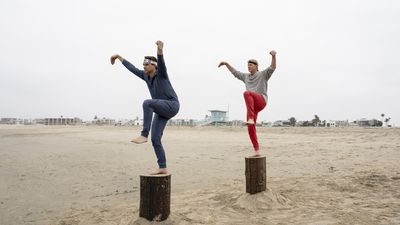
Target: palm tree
292 121
316 120
387 121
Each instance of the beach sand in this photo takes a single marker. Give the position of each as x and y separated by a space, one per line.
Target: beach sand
82 175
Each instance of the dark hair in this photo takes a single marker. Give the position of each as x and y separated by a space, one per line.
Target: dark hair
152 58
253 61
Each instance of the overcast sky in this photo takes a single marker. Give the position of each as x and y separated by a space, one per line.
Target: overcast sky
337 59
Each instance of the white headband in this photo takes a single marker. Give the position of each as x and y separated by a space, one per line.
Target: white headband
149 61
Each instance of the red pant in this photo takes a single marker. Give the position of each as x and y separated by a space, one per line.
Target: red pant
255 102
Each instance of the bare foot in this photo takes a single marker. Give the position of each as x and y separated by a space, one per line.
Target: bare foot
139 140
256 153
160 171
250 122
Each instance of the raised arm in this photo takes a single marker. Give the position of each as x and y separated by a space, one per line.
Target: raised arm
115 57
161 68
230 68
268 72
128 65
273 59
235 73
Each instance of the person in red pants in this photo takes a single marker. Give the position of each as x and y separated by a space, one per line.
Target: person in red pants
255 96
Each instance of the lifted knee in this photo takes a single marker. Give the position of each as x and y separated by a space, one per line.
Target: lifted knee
246 93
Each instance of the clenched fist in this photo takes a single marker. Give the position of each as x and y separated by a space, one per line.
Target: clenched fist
273 52
160 44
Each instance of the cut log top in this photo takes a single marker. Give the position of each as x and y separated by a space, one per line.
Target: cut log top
156 175
255 157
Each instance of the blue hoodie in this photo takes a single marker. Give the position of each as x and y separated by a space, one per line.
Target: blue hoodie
159 85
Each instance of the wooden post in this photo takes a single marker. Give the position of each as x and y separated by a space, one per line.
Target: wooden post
256 174
155 196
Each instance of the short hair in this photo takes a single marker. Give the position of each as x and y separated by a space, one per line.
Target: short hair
152 58
253 61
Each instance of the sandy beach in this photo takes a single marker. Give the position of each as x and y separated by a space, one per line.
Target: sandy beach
80 175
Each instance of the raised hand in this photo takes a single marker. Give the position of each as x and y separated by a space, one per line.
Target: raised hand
223 63
273 59
113 58
160 44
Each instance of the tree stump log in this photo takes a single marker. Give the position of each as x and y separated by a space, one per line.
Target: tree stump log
256 174
155 197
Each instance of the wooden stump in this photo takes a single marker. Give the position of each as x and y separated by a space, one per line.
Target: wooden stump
155 196
256 174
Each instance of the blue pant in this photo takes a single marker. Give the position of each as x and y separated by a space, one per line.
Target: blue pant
164 110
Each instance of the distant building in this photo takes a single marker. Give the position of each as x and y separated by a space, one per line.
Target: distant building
29 122
266 124
104 121
353 124
337 123
362 122
218 116
125 122
236 123
61 121
11 121
368 123
342 123
281 123
182 122
330 124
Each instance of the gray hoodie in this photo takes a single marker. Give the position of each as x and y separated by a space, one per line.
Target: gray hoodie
257 82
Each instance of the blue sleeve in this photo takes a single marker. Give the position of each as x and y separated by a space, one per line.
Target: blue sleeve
133 69
161 68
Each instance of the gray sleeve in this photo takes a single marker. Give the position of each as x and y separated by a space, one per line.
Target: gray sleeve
239 75
267 73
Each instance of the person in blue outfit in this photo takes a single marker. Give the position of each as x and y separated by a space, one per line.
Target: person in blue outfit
164 102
